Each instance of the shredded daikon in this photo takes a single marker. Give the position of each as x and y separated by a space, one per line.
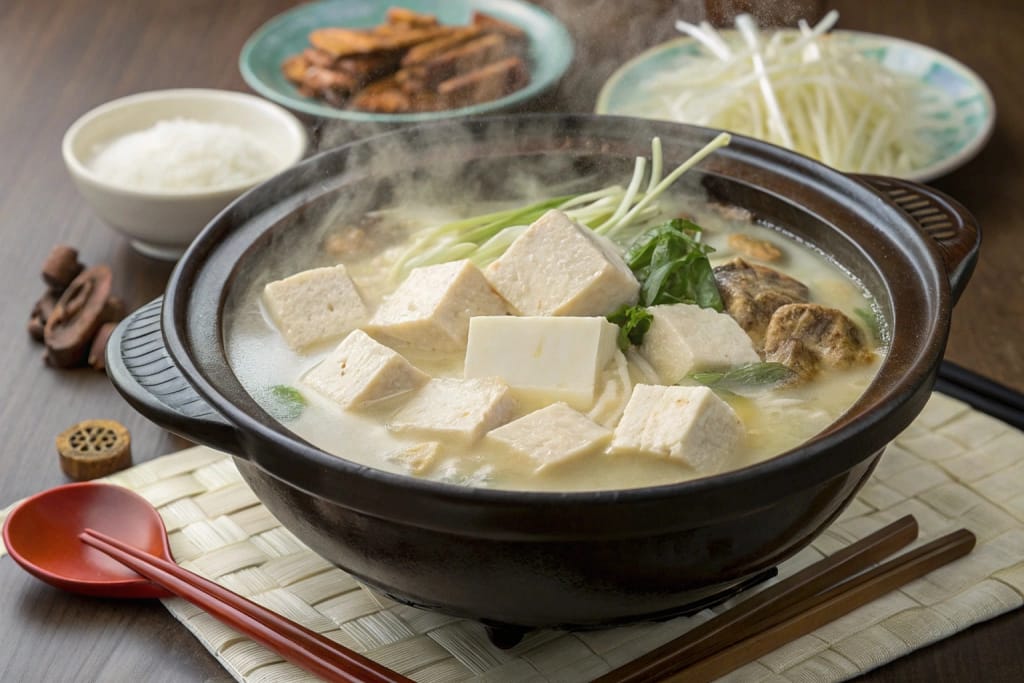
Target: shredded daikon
817 94
183 155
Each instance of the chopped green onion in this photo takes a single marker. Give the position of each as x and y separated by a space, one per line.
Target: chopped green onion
607 211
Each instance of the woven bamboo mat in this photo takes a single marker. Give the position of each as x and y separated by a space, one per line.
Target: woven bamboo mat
953 467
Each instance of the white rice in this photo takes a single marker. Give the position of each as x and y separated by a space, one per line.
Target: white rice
184 154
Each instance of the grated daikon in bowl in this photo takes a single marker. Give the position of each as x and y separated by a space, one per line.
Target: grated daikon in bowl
184 154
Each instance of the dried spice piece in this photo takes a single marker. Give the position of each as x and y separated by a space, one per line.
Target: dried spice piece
76 318
98 349
114 310
41 312
71 313
61 267
94 448
36 328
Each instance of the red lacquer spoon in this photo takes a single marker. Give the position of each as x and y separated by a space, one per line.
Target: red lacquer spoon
69 536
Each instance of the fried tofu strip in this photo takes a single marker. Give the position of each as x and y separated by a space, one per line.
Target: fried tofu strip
407 17
488 23
459 60
344 42
294 68
424 52
486 83
411 63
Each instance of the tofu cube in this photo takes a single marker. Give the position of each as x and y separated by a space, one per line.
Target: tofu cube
432 307
418 458
361 371
459 409
551 435
547 358
685 338
315 306
690 424
558 267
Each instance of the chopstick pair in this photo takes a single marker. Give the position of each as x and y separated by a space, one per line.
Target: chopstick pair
796 606
306 648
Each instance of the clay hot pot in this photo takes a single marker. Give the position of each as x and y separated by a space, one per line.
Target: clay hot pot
519 560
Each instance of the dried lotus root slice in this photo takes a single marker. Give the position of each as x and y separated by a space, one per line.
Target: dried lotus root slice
94 448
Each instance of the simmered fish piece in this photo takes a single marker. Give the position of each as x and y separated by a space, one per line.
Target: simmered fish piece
752 293
806 337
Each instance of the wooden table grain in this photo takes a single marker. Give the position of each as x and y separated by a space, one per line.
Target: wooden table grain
59 58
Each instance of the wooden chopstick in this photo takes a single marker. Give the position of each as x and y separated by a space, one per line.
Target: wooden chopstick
793 607
839 601
294 642
762 610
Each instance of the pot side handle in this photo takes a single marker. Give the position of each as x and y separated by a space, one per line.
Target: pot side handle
952 227
142 371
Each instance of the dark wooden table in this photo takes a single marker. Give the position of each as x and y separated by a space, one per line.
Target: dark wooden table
59 58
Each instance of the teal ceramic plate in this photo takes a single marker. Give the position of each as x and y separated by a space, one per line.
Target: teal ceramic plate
549 55
971 117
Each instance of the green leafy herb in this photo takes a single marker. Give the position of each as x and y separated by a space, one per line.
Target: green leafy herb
749 374
673 266
287 403
633 322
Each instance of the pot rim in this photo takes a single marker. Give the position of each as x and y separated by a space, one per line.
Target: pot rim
853 437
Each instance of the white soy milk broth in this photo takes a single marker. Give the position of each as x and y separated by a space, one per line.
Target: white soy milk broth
775 420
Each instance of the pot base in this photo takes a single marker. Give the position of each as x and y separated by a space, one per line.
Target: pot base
506 636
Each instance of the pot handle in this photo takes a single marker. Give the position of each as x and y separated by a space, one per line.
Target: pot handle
944 219
142 371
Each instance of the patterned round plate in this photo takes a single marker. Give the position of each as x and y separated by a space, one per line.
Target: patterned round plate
963 128
549 53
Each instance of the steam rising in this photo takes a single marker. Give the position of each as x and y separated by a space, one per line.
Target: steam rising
607 33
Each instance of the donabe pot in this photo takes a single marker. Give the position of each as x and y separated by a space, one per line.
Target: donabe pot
553 559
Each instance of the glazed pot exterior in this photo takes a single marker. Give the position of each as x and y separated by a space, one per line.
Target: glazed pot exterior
528 559
557 583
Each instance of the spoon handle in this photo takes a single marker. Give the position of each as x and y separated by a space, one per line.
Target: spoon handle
294 642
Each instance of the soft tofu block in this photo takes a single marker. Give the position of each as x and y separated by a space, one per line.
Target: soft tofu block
432 307
418 458
558 267
690 424
315 306
685 338
551 358
458 409
551 435
361 371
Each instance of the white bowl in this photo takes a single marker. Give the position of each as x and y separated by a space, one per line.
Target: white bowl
162 223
